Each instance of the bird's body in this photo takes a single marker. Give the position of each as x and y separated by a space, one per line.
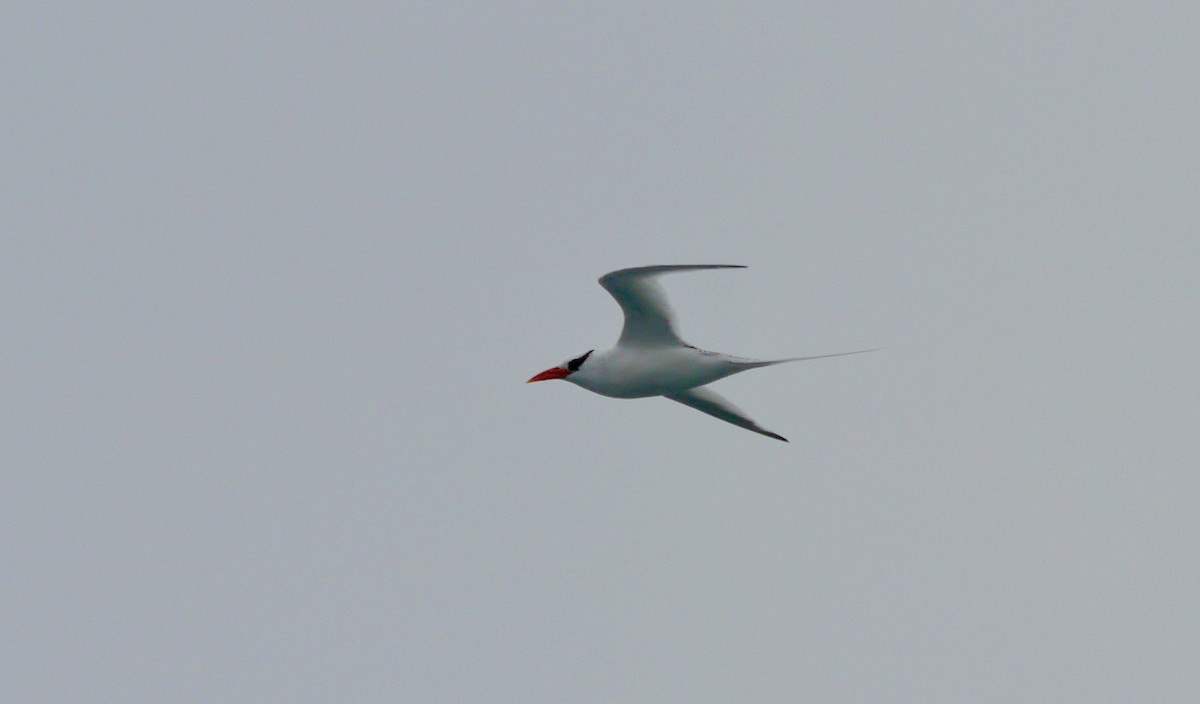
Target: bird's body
631 372
651 359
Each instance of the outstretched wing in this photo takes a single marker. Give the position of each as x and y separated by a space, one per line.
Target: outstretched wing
708 401
649 320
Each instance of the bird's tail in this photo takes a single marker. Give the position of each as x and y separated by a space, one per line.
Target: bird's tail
756 363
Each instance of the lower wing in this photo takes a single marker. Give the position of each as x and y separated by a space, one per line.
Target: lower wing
705 400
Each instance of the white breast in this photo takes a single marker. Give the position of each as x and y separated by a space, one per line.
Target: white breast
624 372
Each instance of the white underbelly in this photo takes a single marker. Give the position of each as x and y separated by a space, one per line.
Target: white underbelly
657 373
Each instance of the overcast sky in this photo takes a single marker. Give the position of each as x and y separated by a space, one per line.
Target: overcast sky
272 277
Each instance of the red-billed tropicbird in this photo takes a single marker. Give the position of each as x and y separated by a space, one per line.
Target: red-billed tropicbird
650 359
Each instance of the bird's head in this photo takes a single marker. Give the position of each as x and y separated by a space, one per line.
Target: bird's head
563 370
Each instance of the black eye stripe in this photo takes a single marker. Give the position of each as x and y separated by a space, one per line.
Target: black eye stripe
575 364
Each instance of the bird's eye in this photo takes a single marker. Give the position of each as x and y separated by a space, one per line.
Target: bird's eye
575 364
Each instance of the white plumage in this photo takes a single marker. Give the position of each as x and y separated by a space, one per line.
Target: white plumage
651 359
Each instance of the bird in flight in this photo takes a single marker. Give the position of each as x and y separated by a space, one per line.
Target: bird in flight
650 358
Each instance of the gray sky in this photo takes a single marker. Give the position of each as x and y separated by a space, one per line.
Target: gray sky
273 278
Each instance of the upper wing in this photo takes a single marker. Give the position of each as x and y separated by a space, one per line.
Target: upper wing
704 399
649 320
